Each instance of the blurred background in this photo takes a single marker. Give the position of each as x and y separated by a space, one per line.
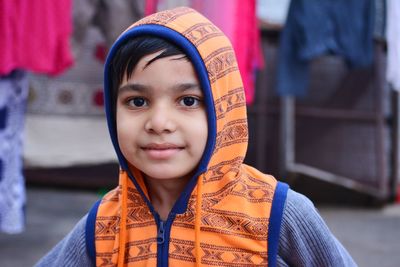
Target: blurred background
322 81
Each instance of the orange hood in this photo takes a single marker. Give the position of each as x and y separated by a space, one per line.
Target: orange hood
214 60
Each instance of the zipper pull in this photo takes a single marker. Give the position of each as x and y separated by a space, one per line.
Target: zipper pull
161 233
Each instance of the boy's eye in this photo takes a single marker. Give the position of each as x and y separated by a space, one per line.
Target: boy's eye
137 102
189 101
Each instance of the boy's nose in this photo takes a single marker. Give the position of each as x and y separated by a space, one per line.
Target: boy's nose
160 121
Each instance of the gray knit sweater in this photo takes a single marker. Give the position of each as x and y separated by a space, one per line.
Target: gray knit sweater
304 240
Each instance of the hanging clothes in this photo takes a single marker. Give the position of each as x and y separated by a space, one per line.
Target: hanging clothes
13 95
35 36
380 17
239 22
393 43
314 28
150 7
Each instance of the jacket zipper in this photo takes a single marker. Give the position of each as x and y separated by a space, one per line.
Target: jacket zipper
163 234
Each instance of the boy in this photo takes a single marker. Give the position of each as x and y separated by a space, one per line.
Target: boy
177 117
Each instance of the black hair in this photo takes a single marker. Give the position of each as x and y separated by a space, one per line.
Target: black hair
131 52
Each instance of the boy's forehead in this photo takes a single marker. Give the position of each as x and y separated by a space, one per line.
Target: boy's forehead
183 81
147 58
179 87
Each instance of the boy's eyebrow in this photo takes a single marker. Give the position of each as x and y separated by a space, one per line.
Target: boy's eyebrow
132 87
142 88
187 86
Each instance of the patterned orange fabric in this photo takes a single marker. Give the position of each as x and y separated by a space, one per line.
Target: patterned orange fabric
227 217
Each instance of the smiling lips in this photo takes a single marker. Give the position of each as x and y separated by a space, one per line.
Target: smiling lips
161 151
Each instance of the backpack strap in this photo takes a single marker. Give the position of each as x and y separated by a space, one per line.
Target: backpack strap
278 205
90 232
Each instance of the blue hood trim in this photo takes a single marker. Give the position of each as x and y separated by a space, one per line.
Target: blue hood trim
278 205
200 68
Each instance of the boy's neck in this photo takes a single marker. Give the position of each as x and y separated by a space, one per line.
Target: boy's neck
164 193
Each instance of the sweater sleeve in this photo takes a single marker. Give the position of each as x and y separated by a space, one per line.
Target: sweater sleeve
71 251
305 239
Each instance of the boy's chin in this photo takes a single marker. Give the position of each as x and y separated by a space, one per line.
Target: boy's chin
167 176
164 177
163 174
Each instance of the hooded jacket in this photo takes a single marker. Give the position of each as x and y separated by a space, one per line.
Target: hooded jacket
229 213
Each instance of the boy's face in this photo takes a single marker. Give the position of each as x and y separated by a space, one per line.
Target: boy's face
161 118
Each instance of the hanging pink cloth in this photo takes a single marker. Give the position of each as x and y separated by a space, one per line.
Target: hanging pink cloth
35 36
150 7
237 19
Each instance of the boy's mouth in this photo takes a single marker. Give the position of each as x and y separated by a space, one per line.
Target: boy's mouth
161 151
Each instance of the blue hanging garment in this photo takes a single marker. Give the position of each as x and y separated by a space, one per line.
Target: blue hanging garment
313 28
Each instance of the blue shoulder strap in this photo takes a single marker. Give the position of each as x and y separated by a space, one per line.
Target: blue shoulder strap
275 220
90 232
